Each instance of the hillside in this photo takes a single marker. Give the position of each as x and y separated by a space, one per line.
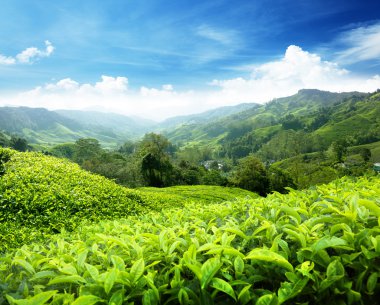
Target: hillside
41 126
204 117
323 115
115 124
43 192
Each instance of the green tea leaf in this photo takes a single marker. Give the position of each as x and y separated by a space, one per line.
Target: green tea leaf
74 279
38 299
291 290
110 280
208 270
150 298
223 286
329 242
269 256
268 299
370 205
238 265
137 270
117 297
118 262
93 271
372 282
86 300
23 263
183 297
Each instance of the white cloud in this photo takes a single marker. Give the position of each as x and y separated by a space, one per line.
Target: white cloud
112 84
29 55
64 84
6 60
225 37
297 69
167 87
361 44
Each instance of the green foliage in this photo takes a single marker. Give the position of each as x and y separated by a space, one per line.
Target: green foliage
365 153
338 150
4 140
66 150
306 247
156 167
18 143
251 175
86 149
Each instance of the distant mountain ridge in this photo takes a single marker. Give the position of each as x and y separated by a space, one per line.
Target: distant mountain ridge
205 117
215 127
258 118
41 126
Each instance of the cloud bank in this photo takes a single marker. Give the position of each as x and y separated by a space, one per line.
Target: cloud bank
297 69
29 55
361 43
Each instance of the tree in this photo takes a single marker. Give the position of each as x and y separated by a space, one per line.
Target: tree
4 141
213 177
86 149
338 150
66 150
365 153
18 143
156 167
251 175
127 148
279 179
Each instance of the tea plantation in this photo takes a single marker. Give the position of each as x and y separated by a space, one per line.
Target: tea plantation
70 237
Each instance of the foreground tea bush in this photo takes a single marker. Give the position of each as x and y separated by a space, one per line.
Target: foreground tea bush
309 247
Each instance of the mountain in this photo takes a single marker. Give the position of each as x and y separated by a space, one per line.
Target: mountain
41 126
204 117
257 125
116 123
232 131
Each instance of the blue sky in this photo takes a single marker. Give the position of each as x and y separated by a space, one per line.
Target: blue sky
162 58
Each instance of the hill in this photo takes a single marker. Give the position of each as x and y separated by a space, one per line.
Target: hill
325 115
43 192
114 123
204 117
41 126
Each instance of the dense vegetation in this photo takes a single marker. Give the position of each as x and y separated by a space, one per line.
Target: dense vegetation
309 247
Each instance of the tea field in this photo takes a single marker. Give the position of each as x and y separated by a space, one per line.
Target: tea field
94 242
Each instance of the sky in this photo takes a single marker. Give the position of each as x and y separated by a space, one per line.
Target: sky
159 58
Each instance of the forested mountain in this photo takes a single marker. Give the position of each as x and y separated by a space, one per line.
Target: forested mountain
231 132
41 126
205 117
118 124
325 114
